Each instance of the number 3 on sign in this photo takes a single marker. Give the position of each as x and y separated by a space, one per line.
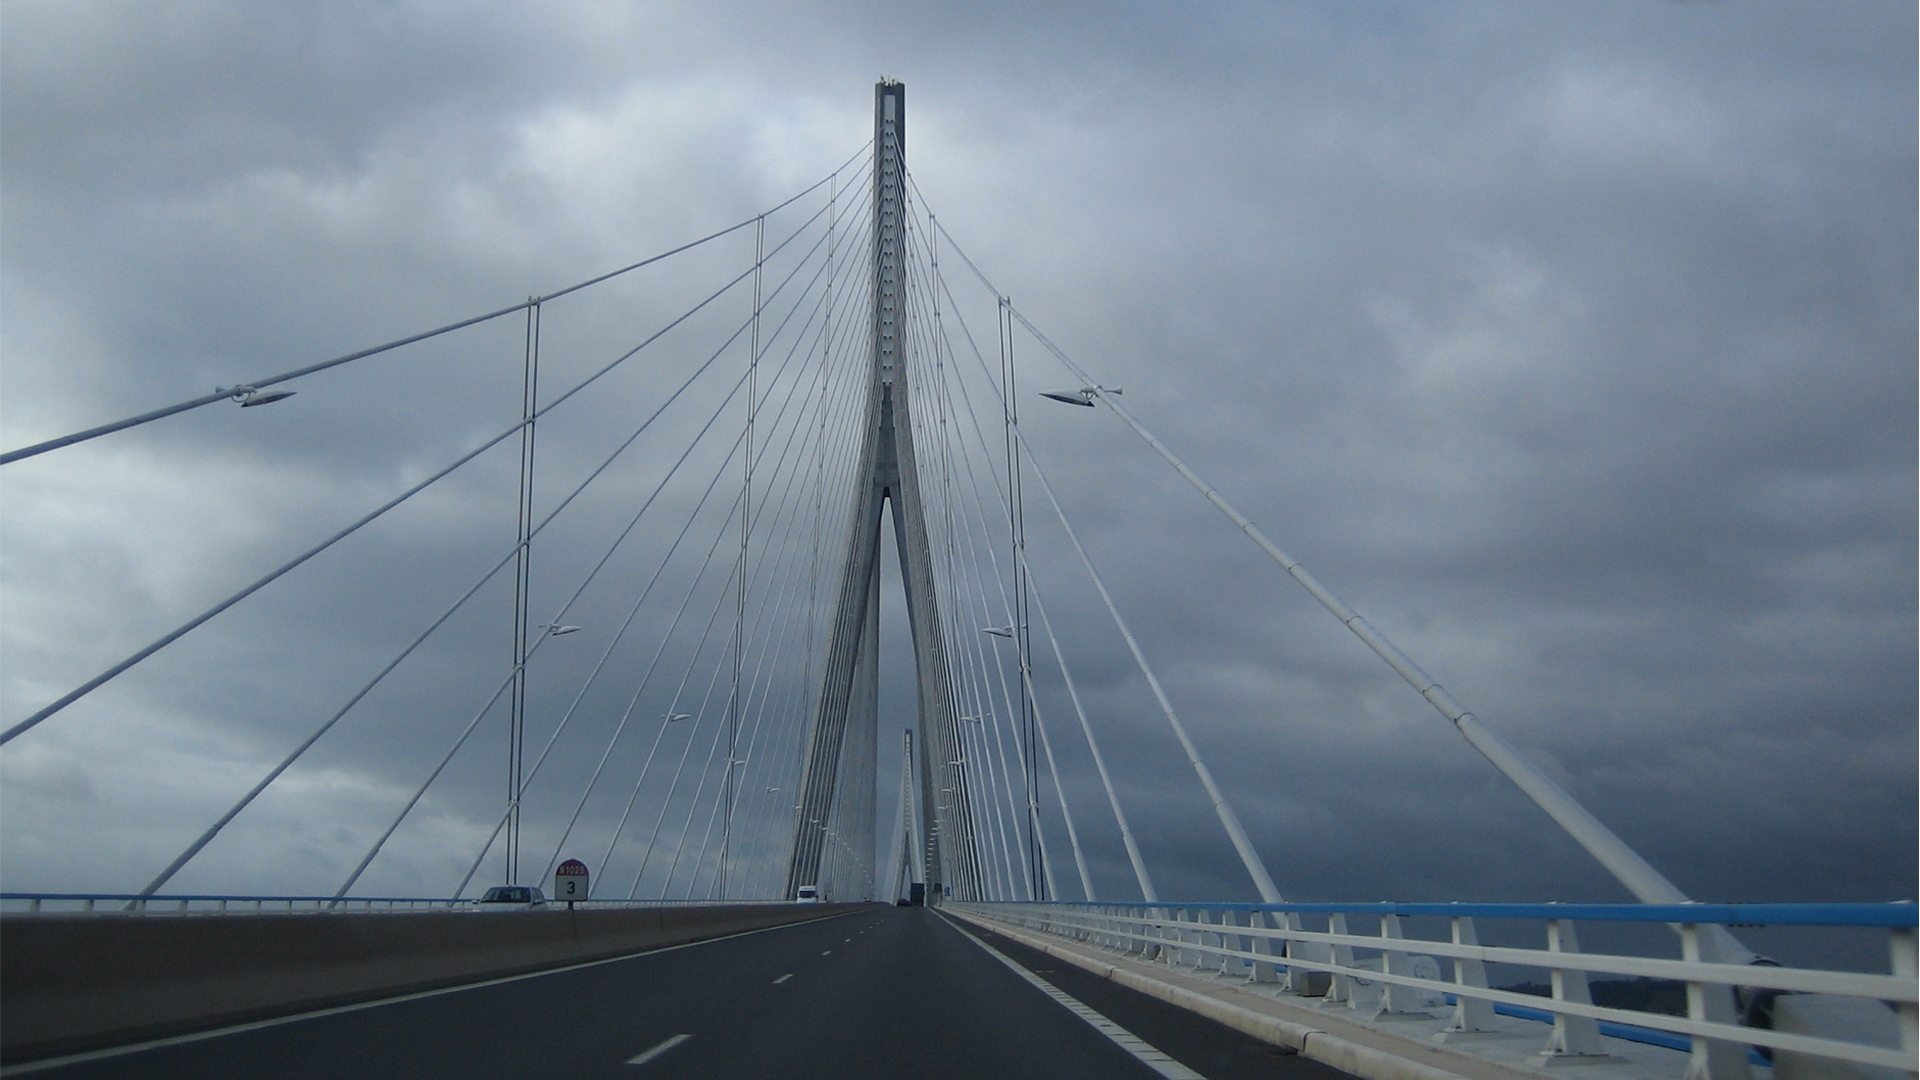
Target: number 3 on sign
570 881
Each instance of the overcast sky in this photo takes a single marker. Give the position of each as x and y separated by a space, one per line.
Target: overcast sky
1574 344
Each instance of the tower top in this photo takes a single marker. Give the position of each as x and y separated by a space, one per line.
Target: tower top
890 112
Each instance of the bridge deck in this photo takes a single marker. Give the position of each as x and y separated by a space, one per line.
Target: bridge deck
878 992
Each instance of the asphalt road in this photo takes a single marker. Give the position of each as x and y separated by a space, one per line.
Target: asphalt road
881 992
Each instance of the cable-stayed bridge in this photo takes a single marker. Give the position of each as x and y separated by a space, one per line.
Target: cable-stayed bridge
713 752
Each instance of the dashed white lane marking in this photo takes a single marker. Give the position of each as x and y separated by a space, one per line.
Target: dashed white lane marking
829 952
783 978
648 1055
1151 1056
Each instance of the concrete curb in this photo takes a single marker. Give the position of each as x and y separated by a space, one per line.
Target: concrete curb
1364 1062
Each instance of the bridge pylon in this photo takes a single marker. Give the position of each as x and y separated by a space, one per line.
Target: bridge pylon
838 780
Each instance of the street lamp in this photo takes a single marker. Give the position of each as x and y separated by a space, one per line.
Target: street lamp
676 717
557 630
1083 396
248 397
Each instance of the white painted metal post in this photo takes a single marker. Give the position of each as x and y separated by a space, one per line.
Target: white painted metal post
1263 971
1903 964
1393 961
1203 959
1711 1059
1235 941
1573 1036
1469 1013
1170 931
1245 943
1340 986
1300 980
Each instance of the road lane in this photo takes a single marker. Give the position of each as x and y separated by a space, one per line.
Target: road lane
879 992
1209 1047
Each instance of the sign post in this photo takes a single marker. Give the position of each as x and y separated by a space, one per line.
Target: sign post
570 881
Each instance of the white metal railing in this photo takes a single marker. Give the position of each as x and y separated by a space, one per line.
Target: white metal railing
22 903
1270 943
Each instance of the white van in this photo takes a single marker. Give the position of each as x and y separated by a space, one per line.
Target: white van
807 894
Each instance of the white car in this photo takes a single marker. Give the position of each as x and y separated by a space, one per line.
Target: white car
511 898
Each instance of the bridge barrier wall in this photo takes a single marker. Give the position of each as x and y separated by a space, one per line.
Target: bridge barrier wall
79 982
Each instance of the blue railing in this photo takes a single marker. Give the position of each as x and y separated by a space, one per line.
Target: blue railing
1898 914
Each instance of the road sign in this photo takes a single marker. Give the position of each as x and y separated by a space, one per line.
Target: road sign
570 880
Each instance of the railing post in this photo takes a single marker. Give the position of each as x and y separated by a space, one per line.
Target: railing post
1197 936
1191 936
1340 986
1394 998
1177 923
1299 980
1469 1013
1905 966
1263 971
1712 1059
1203 959
1573 1036
1228 941
1235 942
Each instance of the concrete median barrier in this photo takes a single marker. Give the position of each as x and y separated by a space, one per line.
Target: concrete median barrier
79 982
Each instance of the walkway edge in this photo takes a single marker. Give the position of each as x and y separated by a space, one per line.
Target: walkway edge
1352 1058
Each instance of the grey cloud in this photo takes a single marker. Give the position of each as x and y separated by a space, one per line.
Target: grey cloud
1575 347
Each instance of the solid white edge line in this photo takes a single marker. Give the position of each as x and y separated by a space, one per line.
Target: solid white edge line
42 1064
1148 1054
645 1056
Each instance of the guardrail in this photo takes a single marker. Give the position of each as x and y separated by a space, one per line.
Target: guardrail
1396 973
17 903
